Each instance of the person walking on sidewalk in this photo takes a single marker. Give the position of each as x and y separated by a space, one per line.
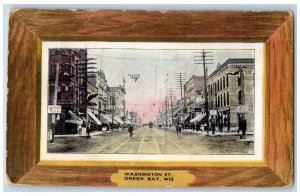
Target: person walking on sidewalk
178 130
243 127
220 124
213 125
130 130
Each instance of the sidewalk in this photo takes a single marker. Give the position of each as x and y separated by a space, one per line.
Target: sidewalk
233 132
94 133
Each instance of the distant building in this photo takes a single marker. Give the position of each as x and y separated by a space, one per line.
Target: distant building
192 88
117 99
69 66
230 91
102 91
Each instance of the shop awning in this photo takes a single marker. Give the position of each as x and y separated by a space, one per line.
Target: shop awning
94 117
185 118
176 111
198 118
75 120
117 118
106 117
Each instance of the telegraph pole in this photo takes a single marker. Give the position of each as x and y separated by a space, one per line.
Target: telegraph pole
85 72
113 110
171 97
180 79
203 57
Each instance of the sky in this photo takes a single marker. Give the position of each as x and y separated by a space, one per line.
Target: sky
157 69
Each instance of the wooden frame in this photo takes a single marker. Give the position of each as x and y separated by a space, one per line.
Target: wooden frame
29 27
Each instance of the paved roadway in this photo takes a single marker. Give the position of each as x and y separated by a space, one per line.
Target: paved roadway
153 141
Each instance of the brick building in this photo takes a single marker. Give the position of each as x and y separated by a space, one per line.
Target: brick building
69 66
192 88
230 91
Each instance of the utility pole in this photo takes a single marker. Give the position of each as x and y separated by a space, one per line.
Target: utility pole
171 97
84 73
113 110
203 58
180 79
166 97
53 116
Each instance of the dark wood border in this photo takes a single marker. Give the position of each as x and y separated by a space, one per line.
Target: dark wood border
29 27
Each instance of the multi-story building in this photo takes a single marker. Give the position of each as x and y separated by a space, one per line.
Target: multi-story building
230 90
66 87
117 102
192 89
102 91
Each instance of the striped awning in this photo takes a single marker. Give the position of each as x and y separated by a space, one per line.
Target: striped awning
198 118
117 118
75 120
106 117
94 117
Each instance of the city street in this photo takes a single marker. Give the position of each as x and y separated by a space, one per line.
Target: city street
153 141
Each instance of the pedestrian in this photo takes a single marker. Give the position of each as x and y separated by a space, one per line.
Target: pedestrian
178 130
243 128
213 126
197 127
240 123
193 127
130 130
228 123
220 124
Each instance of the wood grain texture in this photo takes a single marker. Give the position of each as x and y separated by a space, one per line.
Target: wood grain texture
152 25
28 28
22 105
100 176
280 129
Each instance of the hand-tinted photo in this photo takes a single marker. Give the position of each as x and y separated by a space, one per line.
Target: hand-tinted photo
151 101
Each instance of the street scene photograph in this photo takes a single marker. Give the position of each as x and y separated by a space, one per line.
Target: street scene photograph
143 100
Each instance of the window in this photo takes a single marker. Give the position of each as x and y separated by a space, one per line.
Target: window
218 101
221 84
227 80
58 95
224 82
52 69
227 98
224 99
241 97
239 79
218 85
51 92
81 99
221 101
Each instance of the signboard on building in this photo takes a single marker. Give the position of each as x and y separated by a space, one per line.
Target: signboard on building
54 109
213 112
242 109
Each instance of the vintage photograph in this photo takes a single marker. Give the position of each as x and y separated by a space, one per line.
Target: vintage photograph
151 100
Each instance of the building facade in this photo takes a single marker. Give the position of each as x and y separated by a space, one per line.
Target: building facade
230 90
117 101
66 87
192 89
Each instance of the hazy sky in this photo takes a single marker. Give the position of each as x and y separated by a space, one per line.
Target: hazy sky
154 65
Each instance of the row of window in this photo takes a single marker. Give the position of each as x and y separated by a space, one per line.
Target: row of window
218 85
221 100
66 93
